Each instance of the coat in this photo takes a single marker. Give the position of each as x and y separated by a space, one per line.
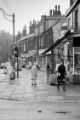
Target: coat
34 72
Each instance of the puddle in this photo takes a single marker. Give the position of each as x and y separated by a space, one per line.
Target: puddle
63 112
39 111
77 116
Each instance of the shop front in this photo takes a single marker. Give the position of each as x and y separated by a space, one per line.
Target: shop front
44 59
76 59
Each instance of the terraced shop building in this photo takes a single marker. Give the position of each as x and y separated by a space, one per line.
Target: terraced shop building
44 33
28 48
69 43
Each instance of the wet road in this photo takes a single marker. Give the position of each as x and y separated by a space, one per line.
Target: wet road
22 101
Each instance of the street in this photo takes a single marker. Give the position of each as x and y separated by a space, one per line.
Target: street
19 100
40 60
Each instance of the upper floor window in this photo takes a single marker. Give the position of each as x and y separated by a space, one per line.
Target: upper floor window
76 20
71 2
24 47
69 23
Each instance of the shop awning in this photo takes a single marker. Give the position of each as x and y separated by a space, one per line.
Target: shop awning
41 51
57 42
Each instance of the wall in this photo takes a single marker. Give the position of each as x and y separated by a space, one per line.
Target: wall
71 18
57 29
70 21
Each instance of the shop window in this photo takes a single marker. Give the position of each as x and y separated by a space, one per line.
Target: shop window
68 23
24 47
77 60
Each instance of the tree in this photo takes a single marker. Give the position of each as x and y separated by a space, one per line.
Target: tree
5 42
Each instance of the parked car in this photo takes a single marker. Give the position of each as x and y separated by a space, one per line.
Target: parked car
3 66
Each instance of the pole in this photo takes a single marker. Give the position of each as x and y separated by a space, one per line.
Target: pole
17 68
13 26
73 60
38 48
13 16
14 42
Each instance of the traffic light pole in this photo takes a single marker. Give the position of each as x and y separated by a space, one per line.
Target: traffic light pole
17 68
16 54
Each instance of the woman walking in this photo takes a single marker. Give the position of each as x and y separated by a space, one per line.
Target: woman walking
48 69
34 74
61 75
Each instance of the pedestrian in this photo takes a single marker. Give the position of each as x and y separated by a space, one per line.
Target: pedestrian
48 69
34 74
12 76
30 64
61 75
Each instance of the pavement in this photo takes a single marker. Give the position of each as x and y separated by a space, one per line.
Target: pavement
19 100
21 88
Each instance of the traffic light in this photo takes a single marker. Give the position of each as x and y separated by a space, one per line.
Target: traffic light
16 51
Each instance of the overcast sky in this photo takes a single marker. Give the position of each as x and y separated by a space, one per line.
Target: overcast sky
26 10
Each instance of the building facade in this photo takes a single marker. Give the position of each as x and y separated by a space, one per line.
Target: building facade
47 34
73 16
42 35
67 46
28 48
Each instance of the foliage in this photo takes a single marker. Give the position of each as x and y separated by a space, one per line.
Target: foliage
5 41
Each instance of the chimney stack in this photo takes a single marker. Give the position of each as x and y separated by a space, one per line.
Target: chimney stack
59 11
30 23
55 7
55 11
50 12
